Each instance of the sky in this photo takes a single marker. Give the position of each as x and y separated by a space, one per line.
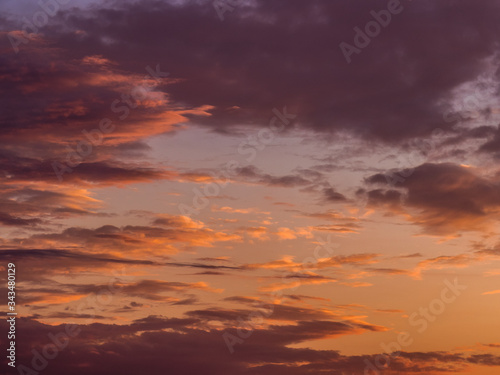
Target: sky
250 187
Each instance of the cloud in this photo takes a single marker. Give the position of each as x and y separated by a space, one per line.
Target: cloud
333 196
300 281
9 220
267 58
451 261
166 343
288 262
174 234
254 175
285 233
54 293
103 172
341 222
154 289
444 199
40 265
284 312
403 80
491 292
30 207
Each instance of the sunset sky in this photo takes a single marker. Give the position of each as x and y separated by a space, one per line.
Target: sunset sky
251 187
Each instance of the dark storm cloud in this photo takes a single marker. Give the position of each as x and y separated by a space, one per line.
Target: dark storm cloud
40 265
55 254
333 196
9 220
263 56
448 198
16 168
272 54
185 346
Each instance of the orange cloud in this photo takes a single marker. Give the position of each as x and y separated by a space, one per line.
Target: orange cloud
491 292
